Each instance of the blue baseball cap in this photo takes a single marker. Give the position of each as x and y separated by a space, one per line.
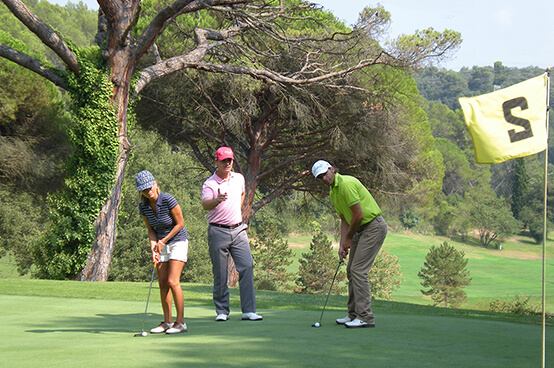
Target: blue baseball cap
144 180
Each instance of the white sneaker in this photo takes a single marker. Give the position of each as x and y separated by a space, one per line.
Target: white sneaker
163 327
252 316
357 323
177 328
342 321
222 317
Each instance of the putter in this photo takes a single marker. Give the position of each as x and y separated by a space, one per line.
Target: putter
143 333
318 324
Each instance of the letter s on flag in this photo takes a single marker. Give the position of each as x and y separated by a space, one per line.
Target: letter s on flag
508 123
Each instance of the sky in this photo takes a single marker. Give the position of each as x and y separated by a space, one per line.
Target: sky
517 33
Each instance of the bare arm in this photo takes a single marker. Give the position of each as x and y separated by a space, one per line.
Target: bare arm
151 238
211 203
157 245
177 215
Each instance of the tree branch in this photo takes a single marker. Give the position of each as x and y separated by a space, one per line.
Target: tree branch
164 17
32 64
44 32
186 62
181 62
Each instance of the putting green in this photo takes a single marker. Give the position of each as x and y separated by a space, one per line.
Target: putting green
61 332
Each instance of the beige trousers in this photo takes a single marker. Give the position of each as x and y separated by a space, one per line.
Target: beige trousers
365 245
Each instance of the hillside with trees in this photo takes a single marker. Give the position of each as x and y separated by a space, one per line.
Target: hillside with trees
495 200
263 41
395 125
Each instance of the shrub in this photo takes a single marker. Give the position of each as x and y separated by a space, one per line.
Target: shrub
385 275
519 305
409 219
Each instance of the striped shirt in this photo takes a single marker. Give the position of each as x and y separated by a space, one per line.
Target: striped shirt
163 223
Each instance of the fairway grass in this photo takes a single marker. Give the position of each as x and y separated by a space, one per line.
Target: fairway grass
59 332
515 270
48 323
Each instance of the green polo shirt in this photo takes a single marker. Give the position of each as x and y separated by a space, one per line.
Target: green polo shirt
347 191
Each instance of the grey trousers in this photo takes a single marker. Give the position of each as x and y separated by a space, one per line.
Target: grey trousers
221 242
365 246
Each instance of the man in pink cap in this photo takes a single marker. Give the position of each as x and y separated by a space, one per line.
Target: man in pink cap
222 196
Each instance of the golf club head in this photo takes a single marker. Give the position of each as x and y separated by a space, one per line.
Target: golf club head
142 334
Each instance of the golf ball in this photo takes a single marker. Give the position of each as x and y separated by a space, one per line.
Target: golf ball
143 333
316 324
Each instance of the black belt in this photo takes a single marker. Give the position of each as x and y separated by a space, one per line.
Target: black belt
226 226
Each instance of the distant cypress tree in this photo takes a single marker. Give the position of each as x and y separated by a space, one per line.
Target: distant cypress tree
445 273
520 187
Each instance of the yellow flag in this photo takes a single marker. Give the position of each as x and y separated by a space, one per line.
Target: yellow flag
508 123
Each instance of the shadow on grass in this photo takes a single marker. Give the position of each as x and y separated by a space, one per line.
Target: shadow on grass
406 335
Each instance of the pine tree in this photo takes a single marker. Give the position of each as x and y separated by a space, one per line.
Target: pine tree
318 266
272 256
445 273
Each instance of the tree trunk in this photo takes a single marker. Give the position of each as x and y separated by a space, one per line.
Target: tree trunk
121 64
99 260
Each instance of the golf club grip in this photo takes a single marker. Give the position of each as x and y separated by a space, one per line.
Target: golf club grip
157 260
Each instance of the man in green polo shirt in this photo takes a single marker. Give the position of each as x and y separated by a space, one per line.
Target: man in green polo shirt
363 231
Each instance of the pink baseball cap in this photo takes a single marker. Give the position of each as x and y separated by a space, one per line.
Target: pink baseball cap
224 153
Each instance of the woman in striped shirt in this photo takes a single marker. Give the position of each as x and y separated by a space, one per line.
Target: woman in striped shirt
169 246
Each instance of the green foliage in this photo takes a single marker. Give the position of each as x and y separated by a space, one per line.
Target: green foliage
520 187
33 143
446 123
176 174
492 219
292 213
73 21
22 221
442 221
457 173
444 86
364 130
393 116
480 81
90 173
271 256
532 212
317 267
424 42
385 275
445 273
410 219
518 305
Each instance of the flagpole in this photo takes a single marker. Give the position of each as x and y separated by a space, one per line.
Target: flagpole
544 223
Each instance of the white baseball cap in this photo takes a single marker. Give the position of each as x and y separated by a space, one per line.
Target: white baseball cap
320 167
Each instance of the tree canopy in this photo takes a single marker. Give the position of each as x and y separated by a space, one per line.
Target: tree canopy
247 37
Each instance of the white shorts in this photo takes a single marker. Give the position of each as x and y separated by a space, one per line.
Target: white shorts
177 251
